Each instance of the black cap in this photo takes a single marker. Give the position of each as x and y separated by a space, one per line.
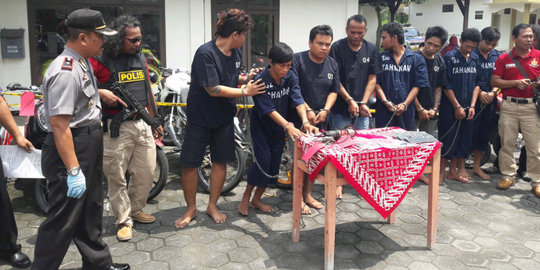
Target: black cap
88 19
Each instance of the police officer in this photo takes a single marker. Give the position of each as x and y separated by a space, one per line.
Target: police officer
72 152
134 149
9 250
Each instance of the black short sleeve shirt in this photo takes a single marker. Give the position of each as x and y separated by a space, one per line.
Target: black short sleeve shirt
436 70
354 69
316 81
211 67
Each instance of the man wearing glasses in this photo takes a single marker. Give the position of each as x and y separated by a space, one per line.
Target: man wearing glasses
134 149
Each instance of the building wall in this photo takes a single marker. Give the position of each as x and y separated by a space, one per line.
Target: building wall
453 22
187 26
371 17
295 20
13 15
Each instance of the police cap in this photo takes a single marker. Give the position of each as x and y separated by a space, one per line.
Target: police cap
88 19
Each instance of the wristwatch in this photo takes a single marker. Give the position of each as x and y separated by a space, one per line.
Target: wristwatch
74 171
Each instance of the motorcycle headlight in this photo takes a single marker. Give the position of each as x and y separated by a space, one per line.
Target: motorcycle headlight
39 115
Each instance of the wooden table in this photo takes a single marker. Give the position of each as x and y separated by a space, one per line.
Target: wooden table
330 181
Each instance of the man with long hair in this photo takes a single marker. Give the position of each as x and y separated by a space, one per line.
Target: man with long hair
215 76
134 149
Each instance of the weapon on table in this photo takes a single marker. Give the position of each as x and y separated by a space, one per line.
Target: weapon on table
333 135
134 107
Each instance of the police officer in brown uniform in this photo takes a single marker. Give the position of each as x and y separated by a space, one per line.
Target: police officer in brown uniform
72 153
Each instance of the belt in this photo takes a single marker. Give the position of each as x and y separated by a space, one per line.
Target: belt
85 129
133 117
519 100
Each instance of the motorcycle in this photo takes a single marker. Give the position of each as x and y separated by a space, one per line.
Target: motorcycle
35 130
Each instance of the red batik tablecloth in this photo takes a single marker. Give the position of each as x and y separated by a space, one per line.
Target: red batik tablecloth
382 176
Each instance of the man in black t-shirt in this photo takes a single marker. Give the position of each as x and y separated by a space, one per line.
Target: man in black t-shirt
215 74
428 98
357 61
318 76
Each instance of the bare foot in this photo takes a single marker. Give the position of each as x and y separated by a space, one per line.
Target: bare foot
464 174
214 213
305 209
243 207
424 179
481 174
314 203
457 177
339 192
186 219
261 206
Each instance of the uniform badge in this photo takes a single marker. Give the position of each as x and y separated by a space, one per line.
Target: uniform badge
90 103
534 63
330 76
85 77
83 65
68 63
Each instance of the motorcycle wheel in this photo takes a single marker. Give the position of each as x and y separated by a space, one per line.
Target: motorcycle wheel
160 174
160 179
42 194
235 171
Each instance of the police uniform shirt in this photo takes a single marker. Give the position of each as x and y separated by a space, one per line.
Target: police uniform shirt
436 70
211 67
277 98
354 69
398 80
462 78
316 81
70 88
485 68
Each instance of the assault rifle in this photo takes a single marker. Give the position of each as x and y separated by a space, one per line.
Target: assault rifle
134 107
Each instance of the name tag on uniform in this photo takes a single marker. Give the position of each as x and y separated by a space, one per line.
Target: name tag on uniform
130 76
510 66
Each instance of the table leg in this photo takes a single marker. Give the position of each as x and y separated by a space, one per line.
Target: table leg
392 217
433 199
298 181
329 215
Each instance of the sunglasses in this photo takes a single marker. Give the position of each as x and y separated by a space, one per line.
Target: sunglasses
134 40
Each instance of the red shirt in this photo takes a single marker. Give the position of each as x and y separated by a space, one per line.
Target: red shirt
507 70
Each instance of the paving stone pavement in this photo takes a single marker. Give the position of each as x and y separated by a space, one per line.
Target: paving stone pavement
478 227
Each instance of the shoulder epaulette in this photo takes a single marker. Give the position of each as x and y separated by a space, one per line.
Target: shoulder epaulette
68 63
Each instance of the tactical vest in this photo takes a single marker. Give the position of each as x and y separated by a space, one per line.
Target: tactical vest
133 74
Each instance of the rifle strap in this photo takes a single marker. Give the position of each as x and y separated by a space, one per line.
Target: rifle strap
149 94
523 72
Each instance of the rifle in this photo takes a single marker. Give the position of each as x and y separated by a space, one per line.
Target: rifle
134 107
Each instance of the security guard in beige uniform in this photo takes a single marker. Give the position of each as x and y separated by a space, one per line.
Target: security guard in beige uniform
73 151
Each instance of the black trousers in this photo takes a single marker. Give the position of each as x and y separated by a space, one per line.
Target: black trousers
69 219
8 227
